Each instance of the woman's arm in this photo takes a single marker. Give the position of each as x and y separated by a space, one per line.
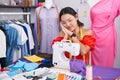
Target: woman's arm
84 48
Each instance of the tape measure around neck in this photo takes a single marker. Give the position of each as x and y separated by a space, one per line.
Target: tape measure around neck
81 34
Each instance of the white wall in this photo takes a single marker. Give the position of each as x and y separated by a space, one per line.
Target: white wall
117 61
63 3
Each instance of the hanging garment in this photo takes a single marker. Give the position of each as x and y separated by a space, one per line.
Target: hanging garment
13 40
2 44
49 28
103 15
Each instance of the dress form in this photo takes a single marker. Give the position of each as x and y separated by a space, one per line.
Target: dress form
48 3
102 22
92 3
49 26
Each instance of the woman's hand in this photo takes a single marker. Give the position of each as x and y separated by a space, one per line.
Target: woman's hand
66 35
66 31
63 29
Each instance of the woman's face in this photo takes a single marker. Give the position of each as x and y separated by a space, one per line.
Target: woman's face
69 21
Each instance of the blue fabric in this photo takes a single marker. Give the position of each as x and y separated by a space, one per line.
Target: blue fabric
24 51
33 51
19 64
30 66
12 68
13 73
46 61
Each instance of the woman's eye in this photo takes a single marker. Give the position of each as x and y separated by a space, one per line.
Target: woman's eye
63 23
70 20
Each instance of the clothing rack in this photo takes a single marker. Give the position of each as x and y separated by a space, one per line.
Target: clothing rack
26 14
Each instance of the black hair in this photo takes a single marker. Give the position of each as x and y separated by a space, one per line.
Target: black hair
71 11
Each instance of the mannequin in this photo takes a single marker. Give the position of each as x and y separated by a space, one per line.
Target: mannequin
92 3
103 16
48 3
47 17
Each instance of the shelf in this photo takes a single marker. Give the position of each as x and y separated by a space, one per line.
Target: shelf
24 8
9 6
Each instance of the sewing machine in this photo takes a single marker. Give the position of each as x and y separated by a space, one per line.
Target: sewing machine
59 59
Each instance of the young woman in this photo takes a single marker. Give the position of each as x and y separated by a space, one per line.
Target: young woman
72 29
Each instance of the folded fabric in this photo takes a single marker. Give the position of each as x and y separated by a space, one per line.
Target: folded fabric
78 66
33 58
30 66
46 61
12 68
13 73
17 66
19 63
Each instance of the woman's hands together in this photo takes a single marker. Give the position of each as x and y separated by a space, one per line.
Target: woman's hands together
66 31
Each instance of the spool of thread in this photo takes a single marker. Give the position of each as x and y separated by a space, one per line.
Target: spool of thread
61 76
40 3
52 76
89 72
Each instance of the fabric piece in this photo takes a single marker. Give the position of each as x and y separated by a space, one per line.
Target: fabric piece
19 64
33 58
12 68
46 63
105 73
24 60
13 73
103 15
30 66
78 66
